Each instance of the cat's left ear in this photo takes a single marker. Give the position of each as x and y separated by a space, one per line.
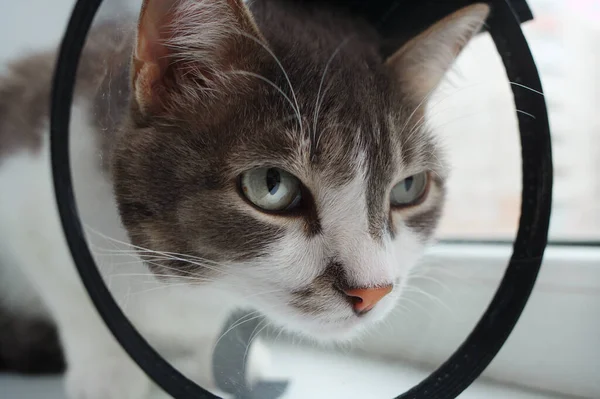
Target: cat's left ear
422 63
187 47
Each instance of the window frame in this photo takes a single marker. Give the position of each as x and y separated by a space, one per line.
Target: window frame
569 279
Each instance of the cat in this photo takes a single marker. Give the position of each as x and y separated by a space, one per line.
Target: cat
225 154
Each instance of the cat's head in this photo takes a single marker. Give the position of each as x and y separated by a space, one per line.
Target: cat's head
282 157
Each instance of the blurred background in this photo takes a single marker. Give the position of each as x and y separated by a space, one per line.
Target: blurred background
476 121
554 351
481 136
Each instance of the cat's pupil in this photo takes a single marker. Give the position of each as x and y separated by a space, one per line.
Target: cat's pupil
408 182
273 180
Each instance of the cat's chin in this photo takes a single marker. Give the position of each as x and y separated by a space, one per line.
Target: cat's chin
339 325
327 332
335 333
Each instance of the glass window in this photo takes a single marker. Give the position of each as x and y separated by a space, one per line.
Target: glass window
474 116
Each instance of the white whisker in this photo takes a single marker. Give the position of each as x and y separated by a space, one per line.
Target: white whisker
319 98
140 251
172 257
248 317
432 279
160 275
252 337
268 81
526 113
423 101
430 296
527 88
161 287
287 78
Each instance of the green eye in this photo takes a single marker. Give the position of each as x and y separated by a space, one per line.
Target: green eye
271 189
410 190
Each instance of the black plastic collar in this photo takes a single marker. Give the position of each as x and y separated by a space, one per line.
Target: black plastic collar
490 333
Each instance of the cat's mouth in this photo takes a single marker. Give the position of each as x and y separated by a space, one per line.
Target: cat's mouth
323 311
328 328
328 320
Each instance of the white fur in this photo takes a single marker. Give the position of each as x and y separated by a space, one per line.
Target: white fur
295 261
180 320
182 323
183 320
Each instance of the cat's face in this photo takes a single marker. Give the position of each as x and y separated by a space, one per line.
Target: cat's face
308 194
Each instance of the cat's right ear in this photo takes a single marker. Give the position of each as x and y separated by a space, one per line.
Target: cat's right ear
186 47
421 63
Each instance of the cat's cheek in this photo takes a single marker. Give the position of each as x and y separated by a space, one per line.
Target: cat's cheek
407 247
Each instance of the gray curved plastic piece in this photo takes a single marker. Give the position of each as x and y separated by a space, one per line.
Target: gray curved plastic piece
229 362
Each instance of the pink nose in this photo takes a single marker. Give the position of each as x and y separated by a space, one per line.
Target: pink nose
365 299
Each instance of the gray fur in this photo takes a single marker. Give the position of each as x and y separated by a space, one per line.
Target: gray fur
175 158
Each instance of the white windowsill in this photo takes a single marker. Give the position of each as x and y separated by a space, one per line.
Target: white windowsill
312 374
556 344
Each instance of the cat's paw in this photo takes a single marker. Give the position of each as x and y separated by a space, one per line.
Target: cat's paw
106 377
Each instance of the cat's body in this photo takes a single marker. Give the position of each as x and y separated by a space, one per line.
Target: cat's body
33 254
156 151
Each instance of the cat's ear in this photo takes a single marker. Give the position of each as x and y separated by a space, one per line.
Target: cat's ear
188 46
421 63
